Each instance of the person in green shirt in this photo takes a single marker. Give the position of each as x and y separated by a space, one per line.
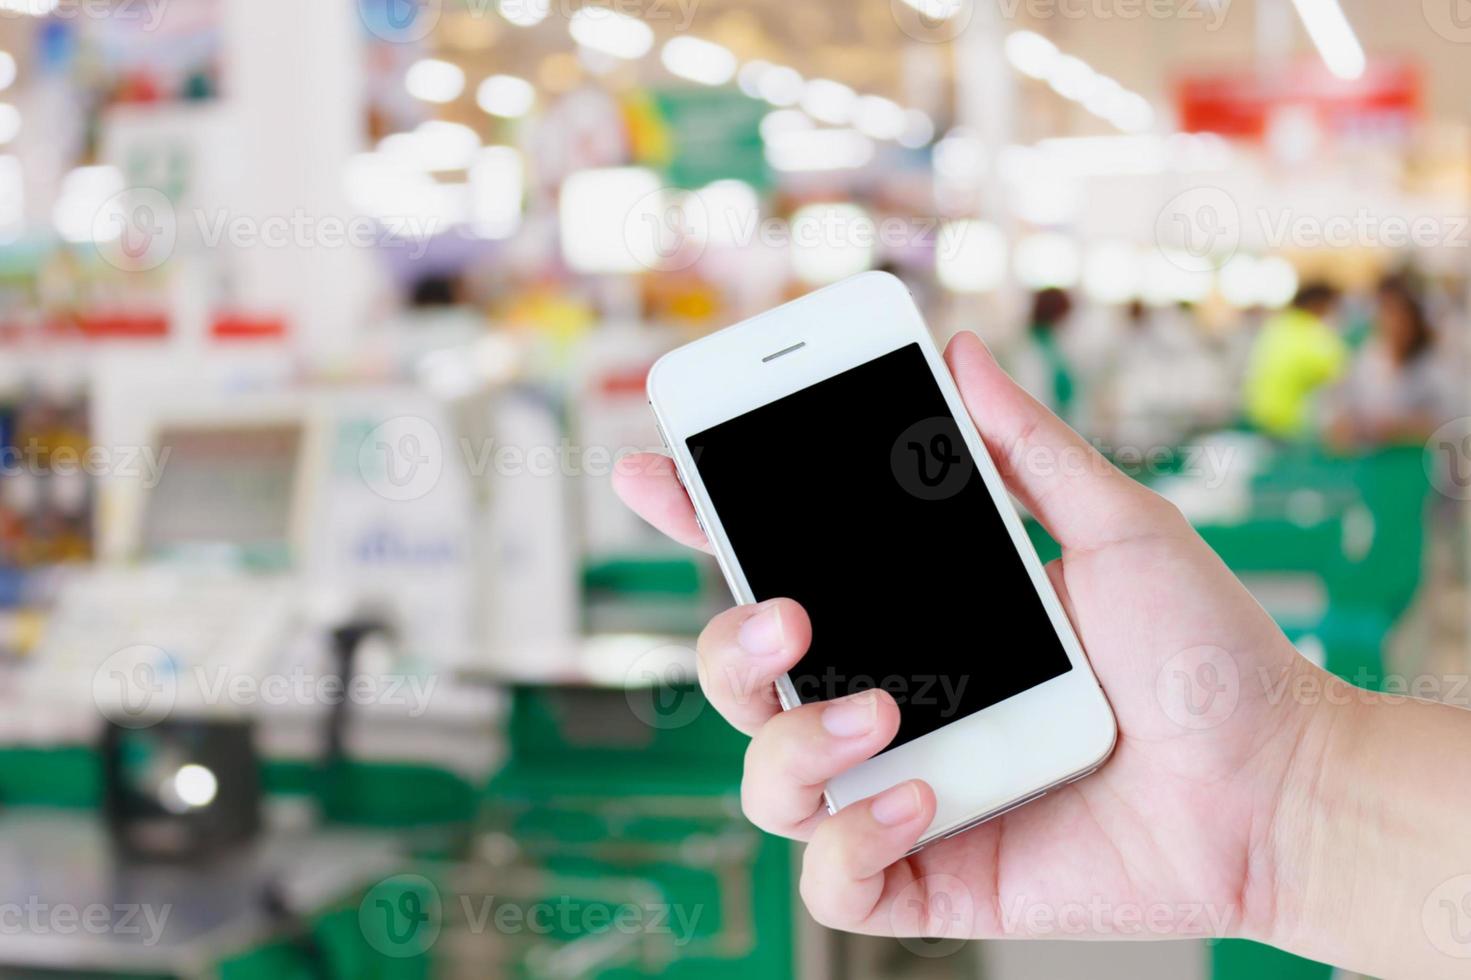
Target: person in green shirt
1297 353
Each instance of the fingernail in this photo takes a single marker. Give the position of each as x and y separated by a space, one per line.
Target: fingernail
852 716
761 634
898 805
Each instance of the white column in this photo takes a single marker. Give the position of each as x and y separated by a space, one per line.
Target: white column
295 89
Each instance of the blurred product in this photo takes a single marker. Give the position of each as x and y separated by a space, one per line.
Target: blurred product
1297 353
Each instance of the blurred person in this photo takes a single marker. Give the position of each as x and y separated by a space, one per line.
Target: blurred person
1164 379
1296 354
1309 815
1042 365
1397 390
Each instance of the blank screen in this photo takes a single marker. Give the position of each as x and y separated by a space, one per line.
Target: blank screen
858 498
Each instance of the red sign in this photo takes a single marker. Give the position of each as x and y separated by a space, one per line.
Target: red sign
1241 104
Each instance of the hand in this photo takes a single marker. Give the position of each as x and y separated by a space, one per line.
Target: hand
1173 836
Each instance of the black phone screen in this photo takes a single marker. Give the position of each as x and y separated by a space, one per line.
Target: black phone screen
858 498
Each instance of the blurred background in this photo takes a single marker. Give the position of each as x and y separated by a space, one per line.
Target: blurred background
325 649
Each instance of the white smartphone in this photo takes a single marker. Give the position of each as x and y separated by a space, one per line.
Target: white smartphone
831 460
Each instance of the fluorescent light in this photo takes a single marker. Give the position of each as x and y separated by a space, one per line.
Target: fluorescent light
1047 259
919 129
960 156
1031 53
831 242
35 8
433 80
1111 272
1071 78
7 70
828 101
1131 112
780 85
524 13
506 96
732 208
610 32
434 146
970 256
819 149
605 217
699 61
880 118
937 10
1332 36
9 122
1276 282
749 77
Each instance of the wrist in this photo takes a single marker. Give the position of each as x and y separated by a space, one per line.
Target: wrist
1321 720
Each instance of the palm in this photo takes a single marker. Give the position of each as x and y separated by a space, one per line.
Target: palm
1167 824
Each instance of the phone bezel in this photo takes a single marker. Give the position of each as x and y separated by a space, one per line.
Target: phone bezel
1043 737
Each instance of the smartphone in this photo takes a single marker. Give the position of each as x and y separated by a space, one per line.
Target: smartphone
830 460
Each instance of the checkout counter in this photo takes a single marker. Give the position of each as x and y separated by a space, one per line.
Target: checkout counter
277 716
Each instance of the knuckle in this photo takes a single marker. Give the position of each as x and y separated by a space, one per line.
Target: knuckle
819 901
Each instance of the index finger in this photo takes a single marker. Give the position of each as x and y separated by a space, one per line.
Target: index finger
649 485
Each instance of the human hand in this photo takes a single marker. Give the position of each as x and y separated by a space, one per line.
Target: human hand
1173 836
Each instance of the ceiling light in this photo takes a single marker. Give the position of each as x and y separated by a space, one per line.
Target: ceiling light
7 70
610 32
828 101
506 96
35 8
919 129
1071 78
433 80
780 85
880 118
970 256
937 10
749 77
1030 53
699 61
1333 36
524 13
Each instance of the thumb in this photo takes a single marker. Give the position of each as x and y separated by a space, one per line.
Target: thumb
1080 497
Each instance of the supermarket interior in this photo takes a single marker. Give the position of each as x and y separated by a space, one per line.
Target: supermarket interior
402 689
